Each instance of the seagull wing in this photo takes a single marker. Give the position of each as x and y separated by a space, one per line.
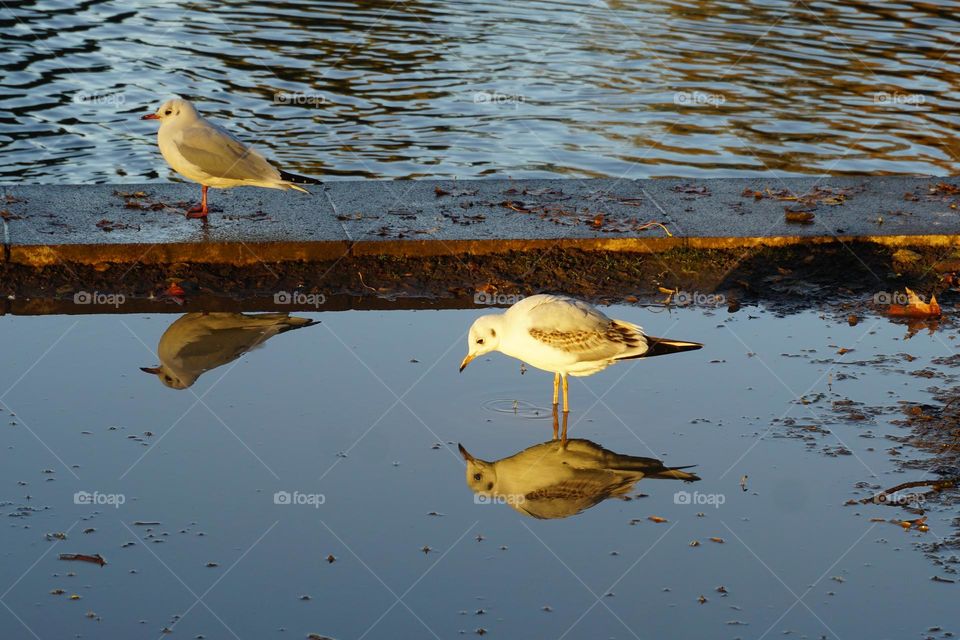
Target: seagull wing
580 330
570 497
216 152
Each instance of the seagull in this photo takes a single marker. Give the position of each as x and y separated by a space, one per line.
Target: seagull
565 336
199 342
558 479
207 153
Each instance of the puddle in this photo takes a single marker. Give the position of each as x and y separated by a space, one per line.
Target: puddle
314 485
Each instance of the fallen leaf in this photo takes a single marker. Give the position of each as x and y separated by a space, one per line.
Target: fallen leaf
915 307
656 519
175 290
82 557
799 217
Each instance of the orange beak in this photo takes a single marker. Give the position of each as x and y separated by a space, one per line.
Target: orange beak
150 116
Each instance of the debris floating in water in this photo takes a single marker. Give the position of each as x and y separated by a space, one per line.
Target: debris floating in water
82 557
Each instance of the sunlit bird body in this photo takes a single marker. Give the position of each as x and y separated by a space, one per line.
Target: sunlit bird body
199 342
205 152
565 336
557 479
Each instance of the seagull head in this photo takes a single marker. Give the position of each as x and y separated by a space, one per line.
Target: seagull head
173 110
484 337
481 475
166 377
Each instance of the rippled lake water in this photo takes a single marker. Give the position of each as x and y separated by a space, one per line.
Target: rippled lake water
314 485
472 89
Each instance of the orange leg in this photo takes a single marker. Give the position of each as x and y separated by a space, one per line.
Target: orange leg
199 211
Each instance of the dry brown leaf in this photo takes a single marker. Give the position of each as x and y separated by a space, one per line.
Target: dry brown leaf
915 307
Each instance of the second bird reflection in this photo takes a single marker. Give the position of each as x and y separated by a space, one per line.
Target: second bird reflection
199 342
561 478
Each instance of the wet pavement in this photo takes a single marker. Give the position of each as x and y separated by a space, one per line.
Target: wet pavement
145 223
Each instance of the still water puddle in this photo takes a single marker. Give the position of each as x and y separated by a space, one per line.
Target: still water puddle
314 484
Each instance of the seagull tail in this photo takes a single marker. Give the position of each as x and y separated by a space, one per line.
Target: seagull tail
675 473
292 180
664 346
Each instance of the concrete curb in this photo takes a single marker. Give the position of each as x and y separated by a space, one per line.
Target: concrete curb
130 224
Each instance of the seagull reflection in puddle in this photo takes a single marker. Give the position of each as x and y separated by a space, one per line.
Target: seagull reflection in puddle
561 478
199 342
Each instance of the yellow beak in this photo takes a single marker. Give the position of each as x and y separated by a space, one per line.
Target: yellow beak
466 361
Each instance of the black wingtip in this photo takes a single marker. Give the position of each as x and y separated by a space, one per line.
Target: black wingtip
298 179
665 346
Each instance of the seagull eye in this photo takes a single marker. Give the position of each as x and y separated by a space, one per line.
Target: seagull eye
477 476
167 112
479 340
493 333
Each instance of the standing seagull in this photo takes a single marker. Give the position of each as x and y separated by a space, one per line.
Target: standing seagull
207 153
564 336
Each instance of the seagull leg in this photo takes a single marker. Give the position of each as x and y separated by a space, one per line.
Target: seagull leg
566 401
556 424
563 441
199 211
556 390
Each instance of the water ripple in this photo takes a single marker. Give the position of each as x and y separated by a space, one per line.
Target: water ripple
494 88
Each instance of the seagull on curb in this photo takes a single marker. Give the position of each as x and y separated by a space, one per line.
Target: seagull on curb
564 336
198 342
205 152
558 479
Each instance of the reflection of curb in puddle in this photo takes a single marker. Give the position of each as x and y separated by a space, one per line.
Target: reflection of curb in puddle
519 408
